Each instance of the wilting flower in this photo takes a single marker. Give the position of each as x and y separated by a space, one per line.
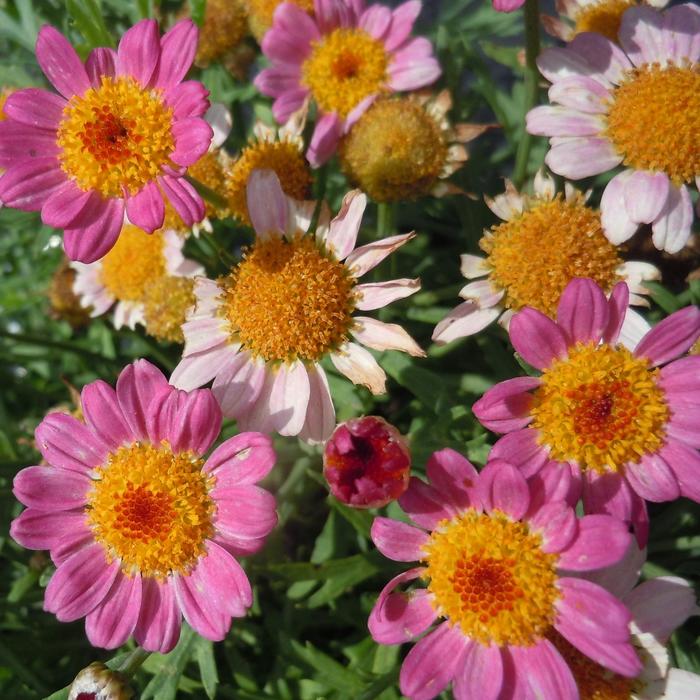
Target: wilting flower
260 13
623 424
545 241
366 462
224 27
122 277
98 682
120 135
342 59
405 147
142 529
261 331
638 105
501 566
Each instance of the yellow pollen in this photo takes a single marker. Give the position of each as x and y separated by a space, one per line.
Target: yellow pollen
4 94
288 300
344 67
603 17
260 13
600 407
284 157
151 509
136 259
536 254
489 575
396 151
166 300
594 681
223 29
115 137
654 120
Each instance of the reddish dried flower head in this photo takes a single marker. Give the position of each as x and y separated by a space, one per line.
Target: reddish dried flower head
366 462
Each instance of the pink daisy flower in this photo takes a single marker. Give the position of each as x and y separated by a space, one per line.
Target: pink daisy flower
637 104
142 529
261 331
342 58
120 135
616 425
500 565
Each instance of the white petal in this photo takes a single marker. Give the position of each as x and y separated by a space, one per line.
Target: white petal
267 204
367 257
237 386
220 120
342 234
645 195
289 398
544 184
466 319
671 229
320 415
384 336
473 266
358 365
634 328
198 369
482 292
376 295
616 222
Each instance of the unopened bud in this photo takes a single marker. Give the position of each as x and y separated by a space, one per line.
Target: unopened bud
97 682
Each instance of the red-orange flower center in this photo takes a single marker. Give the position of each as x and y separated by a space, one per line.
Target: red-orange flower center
143 514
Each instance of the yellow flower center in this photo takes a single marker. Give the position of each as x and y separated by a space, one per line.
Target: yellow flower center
665 103
115 136
594 681
284 157
396 151
490 576
260 13
603 17
344 67
150 508
166 300
535 255
136 259
209 171
289 300
600 407
224 28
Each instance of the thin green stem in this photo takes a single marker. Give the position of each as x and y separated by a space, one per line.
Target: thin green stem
133 662
207 193
386 212
532 50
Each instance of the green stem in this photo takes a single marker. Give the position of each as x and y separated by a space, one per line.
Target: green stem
207 193
133 662
57 344
532 74
386 212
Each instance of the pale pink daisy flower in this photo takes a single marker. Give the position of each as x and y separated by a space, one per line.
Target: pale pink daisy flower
118 137
142 529
501 569
619 426
342 58
637 104
122 277
546 240
261 331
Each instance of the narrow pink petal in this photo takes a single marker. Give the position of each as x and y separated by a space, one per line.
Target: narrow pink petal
247 512
367 257
402 21
557 524
80 583
238 547
503 488
682 34
35 107
376 295
521 449
685 463
66 205
555 481
178 47
507 5
680 380
39 529
112 622
192 138
601 541
330 14
424 504
412 74
289 398
684 425
278 80
506 406
238 387
398 541
580 93
480 673
204 331
544 671
138 51
184 198
398 617
464 320
244 459
621 578
376 20
343 230
432 663
201 367
653 479
66 442
281 47
641 36
146 209
21 142
617 224
583 311
671 229
320 414
558 63
296 23
671 337
89 240
606 60
199 609
188 99
103 414
645 195
325 139
617 309
536 338
289 102
267 204
553 120
384 336
158 626
576 158
101 61
27 184
454 478
60 63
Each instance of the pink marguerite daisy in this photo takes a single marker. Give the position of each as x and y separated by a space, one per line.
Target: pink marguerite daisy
261 331
118 137
619 426
342 58
501 566
142 529
637 104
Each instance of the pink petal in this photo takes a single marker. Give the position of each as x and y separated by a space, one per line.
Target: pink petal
480 673
331 14
645 195
192 138
51 488
178 47
384 336
95 231
66 205
653 479
506 406
685 464
367 257
680 380
360 367
376 20
324 140
238 387
605 58
21 142
583 311
39 529
289 398
544 671
617 224
454 478
536 338
296 23
138 51
288 103
201 367
507 5
502 487
100 62
267 204
521 449
199 609
641 36
241 460
278 80
580 93
576 158
282 47
671 337
402 21
320 414
60 63
343 230
398 541
555 481
672 227
184 198
413 73
398 617
621 578
557 524
553 120
557 63
103 414
617 309
376 295
158 626
111 623
464 320
681 30
35 107
188 99
601 541
247 512
146 209
27 184
424 504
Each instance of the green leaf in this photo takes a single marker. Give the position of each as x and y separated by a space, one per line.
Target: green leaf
429 387
665 299
87 15
332 673
204 653
197 11
164 685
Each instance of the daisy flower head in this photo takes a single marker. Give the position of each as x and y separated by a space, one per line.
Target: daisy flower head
618 425
341 59
142 528
637 104
546 240
123 276
119 136
261 331
224 28
501 570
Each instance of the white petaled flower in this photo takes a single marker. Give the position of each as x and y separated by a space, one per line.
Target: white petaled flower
636 104
261 331
546 239
121 278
